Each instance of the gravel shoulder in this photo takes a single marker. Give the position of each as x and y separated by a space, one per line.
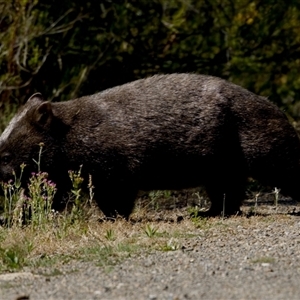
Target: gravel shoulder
240 257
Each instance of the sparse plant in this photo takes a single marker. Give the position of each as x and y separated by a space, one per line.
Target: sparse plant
171 245
166 194
150 231
253 209
14 257
110 235
76 195
256 199
195 216
224 202
34 209
202 201
276 193
76 180
41 193
38 162
154 196
193 211
90 188
12 194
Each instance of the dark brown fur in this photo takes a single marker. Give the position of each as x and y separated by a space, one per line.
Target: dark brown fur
164 132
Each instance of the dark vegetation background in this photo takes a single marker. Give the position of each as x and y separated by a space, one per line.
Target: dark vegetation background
65 49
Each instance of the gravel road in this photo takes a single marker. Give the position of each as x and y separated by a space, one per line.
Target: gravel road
236 258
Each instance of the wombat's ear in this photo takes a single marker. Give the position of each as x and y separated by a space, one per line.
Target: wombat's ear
36 96
43 114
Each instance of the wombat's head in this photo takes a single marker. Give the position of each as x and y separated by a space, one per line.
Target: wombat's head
20 142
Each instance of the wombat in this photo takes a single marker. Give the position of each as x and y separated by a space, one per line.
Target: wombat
163 132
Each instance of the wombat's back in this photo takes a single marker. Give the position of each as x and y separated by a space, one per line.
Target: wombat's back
182 114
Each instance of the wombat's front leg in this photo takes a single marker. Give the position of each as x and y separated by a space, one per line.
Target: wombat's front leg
118 200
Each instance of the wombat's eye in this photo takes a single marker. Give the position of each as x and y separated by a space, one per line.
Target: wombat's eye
5 158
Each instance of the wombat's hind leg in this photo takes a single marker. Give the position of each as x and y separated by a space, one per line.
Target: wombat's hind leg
225 198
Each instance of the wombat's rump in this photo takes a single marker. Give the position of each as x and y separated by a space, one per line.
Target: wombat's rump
163 132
